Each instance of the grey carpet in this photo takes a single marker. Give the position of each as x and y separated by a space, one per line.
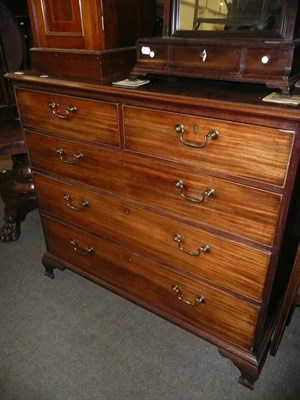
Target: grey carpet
69 339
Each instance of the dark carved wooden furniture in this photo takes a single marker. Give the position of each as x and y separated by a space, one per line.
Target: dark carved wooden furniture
175 195
16 186
238 40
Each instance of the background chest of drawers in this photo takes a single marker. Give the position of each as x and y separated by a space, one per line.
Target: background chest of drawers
179 202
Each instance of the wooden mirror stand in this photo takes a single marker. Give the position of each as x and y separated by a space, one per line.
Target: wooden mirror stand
233 53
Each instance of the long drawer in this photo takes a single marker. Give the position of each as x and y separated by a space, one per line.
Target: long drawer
184 247
88 120
233 208
234 149
166 291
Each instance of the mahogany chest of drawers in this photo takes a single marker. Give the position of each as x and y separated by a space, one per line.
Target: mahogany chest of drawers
178 196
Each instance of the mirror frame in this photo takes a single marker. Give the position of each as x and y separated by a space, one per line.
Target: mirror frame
285 31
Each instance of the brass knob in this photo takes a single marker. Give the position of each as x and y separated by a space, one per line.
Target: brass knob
179 128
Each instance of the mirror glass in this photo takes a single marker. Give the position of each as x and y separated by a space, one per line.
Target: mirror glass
219 15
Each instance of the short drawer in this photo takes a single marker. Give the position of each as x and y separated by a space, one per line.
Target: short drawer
201 306
152 55
92 121
206 58
235 149
186 248
233 208
266 62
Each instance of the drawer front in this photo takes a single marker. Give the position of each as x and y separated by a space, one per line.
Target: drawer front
237 209
268 62
219 313
229 148
88 120
152 55
206 58
186 248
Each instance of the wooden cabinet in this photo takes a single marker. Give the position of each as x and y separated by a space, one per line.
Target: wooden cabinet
171 197
91 38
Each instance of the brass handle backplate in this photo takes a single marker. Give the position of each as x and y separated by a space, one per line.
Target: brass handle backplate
181 297
73 160
203 249
212 134
205 194
69 202
77 249
57 108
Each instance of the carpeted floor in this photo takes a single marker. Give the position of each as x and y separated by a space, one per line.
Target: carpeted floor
69 339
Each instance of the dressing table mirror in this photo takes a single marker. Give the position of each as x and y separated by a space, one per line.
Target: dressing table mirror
235 40
227 15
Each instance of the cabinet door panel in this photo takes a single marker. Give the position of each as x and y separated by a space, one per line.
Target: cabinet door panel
234 149
219 313
225 262
73 24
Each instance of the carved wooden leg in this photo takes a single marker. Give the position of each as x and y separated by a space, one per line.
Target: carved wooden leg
49 271
50 265
250 368
18 195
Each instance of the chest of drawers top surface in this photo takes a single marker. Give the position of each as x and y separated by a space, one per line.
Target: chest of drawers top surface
244 99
